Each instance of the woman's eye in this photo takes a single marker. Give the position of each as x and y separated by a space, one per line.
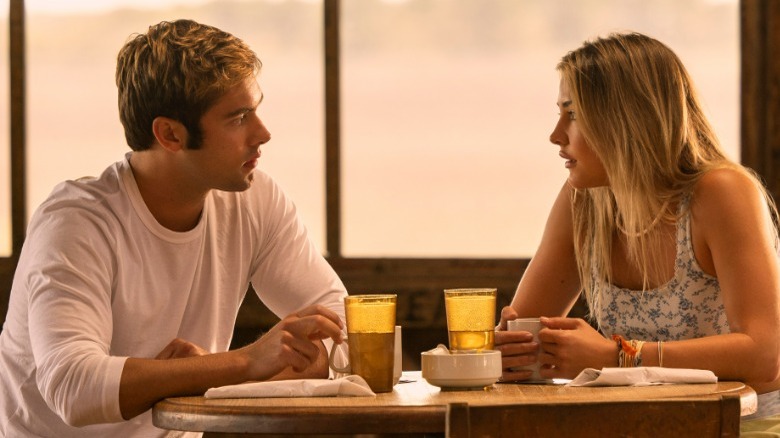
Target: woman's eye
572 116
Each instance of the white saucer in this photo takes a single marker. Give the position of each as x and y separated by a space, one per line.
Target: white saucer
462 370
462 383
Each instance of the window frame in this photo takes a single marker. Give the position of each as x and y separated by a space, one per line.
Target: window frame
17 134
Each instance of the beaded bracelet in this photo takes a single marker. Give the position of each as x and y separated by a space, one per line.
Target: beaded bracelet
629 352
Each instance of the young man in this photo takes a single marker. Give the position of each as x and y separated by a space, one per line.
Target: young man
129 284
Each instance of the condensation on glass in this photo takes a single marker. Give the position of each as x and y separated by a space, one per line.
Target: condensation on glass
447 109
73 123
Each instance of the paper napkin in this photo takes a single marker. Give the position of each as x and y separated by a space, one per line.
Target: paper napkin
641 376
352 385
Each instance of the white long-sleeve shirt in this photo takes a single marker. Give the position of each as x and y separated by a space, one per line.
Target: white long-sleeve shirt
100 280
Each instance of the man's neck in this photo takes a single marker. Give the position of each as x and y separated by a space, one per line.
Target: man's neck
167 197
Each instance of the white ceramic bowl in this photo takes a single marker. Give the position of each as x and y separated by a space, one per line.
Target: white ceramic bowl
461 370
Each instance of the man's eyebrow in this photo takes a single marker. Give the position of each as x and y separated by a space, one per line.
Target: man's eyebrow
237 112
244 110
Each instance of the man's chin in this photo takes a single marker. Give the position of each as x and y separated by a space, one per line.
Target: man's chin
238 186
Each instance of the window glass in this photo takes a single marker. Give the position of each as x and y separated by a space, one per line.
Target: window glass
73 122
5 137
448 105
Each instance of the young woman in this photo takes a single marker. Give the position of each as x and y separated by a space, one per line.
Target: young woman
673 245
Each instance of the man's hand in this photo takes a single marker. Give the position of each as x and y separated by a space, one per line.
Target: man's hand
293 342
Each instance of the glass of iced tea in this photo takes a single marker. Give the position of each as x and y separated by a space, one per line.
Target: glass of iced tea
371 339
471 318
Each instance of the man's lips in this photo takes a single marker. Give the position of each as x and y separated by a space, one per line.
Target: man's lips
253 161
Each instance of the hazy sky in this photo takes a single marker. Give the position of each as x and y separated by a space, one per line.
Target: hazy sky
80 6
71 6
498 160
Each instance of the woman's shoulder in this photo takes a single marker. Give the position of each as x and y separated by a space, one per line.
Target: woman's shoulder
726 177
729 185
725 194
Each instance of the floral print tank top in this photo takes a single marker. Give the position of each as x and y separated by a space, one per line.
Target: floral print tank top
687 306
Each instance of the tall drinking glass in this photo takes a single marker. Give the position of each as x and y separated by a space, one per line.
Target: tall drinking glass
371 339
471 318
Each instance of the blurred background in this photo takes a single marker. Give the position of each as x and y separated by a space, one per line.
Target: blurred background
447 105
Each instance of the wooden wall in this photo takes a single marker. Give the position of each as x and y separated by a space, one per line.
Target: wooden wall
760 47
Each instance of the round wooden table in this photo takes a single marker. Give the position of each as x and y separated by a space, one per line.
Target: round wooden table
418 408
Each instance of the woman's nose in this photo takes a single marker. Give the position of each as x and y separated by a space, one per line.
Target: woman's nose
558 136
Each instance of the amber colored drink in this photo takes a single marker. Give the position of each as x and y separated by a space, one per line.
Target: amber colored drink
372 358
472 340
470 318
371 338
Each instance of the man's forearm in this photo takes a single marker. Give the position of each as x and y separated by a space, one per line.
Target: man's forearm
146 381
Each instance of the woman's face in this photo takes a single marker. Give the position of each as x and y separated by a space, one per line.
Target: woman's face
585 168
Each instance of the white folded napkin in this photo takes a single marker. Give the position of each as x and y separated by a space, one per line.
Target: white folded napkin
352 385
641 376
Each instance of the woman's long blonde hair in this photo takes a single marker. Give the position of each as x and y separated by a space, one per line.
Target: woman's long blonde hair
639 112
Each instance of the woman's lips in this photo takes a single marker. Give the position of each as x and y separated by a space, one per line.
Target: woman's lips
570 162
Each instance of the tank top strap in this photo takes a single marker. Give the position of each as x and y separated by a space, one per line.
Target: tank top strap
684 244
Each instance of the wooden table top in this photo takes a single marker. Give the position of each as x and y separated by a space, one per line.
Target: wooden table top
414 407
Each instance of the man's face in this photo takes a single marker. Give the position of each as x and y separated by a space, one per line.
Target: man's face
232 136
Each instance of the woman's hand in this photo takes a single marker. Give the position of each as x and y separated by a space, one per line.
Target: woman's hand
569 345
517 348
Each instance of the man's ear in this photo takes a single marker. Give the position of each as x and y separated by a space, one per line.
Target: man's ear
169 133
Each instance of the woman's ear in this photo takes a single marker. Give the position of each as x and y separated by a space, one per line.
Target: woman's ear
169 133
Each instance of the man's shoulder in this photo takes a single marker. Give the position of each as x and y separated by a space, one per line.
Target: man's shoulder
87 195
